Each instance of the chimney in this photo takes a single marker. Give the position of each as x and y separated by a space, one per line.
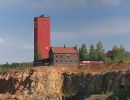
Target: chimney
75 47
64 45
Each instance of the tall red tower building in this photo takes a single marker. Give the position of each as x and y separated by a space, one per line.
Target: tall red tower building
41 38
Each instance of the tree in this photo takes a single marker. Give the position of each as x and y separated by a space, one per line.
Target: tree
38 55
100 51
83 52
128 56
119 54
92 53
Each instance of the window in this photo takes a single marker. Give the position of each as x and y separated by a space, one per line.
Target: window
61 56
56 56
56 61
61 61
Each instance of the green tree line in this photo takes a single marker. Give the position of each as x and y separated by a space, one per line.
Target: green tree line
7 67
98 53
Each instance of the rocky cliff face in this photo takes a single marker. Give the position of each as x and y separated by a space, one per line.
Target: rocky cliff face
84 85
67 83
31 84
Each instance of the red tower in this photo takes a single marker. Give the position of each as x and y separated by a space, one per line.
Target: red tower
41 38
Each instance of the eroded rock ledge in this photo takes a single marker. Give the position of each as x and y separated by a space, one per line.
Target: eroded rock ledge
66 82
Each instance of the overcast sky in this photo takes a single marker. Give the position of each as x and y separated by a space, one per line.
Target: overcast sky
72 22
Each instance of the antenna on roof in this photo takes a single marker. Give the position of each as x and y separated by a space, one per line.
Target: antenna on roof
64 46
42 14
42 10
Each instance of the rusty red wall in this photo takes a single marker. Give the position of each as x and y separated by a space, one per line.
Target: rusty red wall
41 37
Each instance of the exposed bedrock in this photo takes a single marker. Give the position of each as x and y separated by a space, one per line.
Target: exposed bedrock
81 86
61 83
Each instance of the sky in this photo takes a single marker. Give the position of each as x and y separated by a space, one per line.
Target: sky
73 22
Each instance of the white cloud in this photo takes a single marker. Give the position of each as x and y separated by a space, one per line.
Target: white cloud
13 2
111 26
115 26
113 2
1 40
9 1
73 3
57 35
28 47
60 4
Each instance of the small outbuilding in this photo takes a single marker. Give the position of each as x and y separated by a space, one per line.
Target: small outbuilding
64 55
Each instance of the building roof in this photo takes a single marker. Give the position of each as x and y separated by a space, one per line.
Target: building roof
64 50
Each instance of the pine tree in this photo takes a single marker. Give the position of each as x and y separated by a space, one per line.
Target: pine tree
92 53
100 51
83 52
